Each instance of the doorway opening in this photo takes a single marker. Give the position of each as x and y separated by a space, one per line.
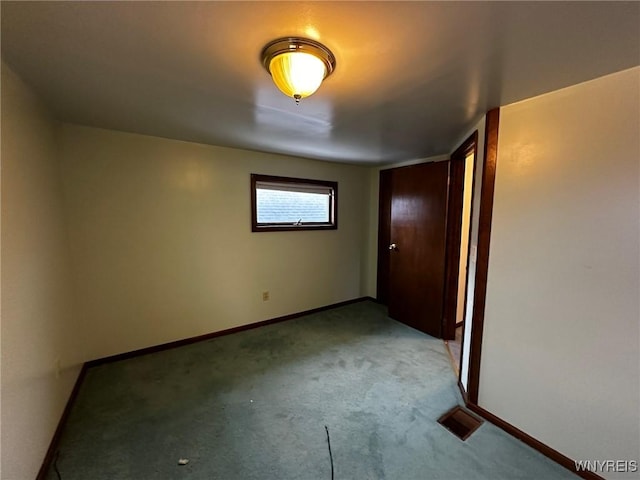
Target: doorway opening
455 344
423 241
427 209
477 251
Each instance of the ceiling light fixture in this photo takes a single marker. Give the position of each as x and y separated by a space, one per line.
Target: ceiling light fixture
298 65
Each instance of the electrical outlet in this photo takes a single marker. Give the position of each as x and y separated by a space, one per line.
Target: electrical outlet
265 296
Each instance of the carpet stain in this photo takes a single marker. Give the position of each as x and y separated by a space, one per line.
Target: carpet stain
375 453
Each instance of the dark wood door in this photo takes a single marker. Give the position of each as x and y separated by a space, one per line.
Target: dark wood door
384 236
417 245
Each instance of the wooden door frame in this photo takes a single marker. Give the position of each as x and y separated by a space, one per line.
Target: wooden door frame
487 186
490 160
482 260
454 231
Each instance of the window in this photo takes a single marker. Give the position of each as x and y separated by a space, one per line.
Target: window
283 204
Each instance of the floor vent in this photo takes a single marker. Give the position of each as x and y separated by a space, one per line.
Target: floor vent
460 422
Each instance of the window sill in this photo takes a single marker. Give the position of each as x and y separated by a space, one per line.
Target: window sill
291 228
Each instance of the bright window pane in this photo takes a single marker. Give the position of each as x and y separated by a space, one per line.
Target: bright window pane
279 206
286 204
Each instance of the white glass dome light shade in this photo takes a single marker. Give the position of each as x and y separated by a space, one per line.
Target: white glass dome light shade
297 65
297 74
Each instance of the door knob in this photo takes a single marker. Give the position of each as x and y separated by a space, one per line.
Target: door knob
393 246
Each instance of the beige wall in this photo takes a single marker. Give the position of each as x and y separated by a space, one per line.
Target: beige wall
560 356
162 246
39 329
370 245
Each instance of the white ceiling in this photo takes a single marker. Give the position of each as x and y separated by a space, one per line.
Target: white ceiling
411 78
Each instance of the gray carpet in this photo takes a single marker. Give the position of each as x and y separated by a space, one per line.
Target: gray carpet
253 405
